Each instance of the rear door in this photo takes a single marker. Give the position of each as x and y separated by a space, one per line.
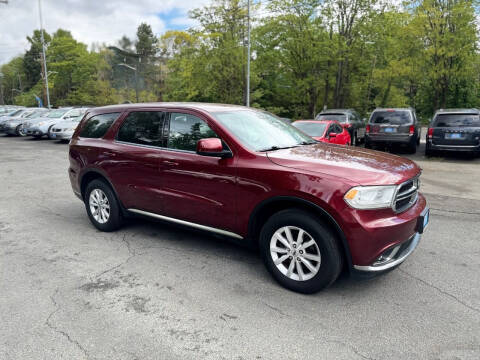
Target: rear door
133 160
199 189
461 129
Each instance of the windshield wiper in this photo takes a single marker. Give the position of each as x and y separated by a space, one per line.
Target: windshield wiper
273 148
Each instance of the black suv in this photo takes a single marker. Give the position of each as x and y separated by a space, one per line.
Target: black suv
349 119
454 130
393 126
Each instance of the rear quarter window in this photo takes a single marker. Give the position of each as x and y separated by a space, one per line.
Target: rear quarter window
98 125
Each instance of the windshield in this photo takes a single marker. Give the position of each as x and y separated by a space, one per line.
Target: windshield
57 113
391 117
334 117
36 114
456 120
261 131
16 113
311 128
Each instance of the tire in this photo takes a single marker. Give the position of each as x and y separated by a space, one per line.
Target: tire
324 247
19 132
412 147
98 189
368 145
49 135
428 152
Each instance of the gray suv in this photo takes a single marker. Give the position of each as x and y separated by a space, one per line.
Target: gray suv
349 119
398 126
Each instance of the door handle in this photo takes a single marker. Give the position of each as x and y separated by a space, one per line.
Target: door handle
108 153
169 163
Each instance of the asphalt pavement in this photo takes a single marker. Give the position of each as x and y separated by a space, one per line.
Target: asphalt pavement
156 291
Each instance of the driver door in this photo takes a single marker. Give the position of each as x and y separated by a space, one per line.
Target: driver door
198 189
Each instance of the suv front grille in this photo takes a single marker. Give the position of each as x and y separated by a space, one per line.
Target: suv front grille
407 194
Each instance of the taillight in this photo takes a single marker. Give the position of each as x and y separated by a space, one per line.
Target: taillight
430 133
367 129
412 129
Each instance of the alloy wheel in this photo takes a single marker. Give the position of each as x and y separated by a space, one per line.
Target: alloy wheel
99 206
295 253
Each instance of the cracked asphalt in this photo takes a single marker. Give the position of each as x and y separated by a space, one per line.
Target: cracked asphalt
156 291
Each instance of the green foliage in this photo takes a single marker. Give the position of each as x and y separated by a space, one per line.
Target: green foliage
306 55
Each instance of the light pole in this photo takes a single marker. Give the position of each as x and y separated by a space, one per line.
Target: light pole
248 56
1 89
135 72
43 52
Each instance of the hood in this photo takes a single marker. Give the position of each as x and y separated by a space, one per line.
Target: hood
359 166
67 124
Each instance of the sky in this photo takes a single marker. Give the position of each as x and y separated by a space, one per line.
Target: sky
90 21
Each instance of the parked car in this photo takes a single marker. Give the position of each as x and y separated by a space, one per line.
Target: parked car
40 127
14 126
11 114
243 173
393 127
349 119
324 131
16 118
454 130
64 129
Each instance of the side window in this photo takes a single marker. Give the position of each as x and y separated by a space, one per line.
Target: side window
73 113
143 127
338 129
186 130
98 125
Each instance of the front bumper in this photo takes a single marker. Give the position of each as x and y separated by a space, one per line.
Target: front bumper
62 135
35 131
393 256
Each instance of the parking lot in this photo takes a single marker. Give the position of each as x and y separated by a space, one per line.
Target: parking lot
156 291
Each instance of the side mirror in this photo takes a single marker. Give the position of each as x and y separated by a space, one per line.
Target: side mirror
212 147
332 135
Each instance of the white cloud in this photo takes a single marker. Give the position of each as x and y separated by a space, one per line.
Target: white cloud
90 21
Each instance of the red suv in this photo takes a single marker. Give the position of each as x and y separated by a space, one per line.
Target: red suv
312 208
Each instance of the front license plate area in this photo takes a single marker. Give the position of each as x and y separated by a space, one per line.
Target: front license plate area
423 220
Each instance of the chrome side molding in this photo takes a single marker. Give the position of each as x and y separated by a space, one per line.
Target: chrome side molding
187 223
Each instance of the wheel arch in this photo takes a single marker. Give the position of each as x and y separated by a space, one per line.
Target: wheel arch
268 207
93 174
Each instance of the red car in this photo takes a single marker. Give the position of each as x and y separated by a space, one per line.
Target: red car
328 131
311 208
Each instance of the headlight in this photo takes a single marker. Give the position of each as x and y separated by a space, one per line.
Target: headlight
370 197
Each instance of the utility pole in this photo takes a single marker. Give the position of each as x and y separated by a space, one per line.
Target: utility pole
43 52
248 56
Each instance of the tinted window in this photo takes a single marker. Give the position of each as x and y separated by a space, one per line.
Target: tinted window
97 126
334 117
143 128
456 120
186 130
311 128
392 117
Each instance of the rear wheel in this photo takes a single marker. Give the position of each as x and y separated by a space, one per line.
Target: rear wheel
412 146
102 206
368 145
300 251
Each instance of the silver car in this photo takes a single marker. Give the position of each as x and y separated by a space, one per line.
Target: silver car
64 130
13 116
41 127
14 126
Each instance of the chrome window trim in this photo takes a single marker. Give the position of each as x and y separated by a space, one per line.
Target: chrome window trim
187 223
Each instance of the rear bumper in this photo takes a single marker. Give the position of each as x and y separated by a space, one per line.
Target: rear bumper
461 148
385 139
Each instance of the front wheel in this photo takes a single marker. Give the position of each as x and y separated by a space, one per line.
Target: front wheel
300 251
102 206
20 131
